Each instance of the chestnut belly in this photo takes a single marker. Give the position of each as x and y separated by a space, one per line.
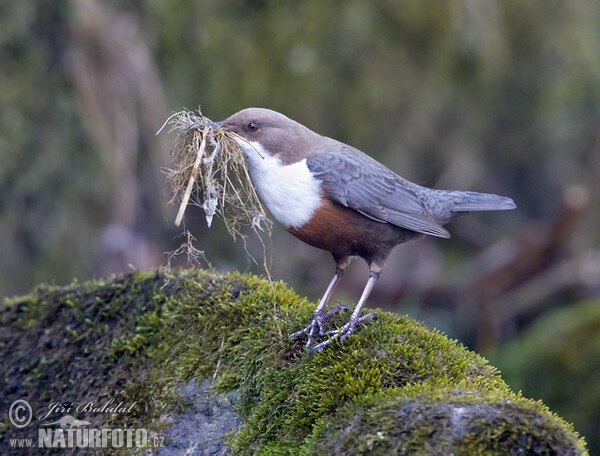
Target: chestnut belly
343 231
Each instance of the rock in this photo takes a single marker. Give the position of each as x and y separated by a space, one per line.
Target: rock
200 429
565 341
203 363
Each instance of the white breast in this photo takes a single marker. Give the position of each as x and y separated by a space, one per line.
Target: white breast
290 192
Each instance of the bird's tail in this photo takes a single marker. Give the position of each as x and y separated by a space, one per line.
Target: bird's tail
473 201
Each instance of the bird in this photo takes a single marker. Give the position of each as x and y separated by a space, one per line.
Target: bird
335 197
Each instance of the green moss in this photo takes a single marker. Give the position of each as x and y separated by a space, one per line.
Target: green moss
566 341
142 334
441 420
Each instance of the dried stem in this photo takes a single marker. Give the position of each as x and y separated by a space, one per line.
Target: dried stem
190 185
208 164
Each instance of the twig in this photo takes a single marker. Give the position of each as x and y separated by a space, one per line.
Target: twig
190 185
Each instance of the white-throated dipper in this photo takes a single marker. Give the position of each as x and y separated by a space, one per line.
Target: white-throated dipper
334 197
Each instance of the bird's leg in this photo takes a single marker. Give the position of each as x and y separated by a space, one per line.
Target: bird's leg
355 319
319 316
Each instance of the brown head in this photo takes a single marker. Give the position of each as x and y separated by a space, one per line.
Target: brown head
278 135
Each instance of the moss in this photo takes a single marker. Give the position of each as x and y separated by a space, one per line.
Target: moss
455 420
141 335
566 341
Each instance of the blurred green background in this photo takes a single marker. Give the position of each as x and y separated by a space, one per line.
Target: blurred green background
494 96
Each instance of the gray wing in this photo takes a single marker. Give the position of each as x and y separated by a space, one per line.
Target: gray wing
370 188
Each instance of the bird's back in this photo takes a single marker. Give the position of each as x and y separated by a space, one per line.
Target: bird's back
355 180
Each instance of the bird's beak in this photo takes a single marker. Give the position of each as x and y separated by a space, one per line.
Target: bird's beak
214 124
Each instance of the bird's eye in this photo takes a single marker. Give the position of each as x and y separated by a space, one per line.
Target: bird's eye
252 126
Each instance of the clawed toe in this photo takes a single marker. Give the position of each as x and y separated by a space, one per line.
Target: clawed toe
308 330
317 322
366 318
344 331
316 325
335 310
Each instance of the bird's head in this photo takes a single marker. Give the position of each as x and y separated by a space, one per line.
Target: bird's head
260 131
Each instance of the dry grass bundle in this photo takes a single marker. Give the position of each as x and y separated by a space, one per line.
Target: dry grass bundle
208 164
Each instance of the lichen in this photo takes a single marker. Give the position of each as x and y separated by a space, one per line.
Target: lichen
392 386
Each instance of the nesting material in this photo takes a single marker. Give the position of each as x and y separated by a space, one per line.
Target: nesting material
187 248
209 171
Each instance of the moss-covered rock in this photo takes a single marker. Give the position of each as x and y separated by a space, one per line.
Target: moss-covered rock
566 341
150 338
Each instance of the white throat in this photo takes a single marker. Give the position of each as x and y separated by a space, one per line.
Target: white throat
290 192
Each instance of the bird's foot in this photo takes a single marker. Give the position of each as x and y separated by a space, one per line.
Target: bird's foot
317 322
344 331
